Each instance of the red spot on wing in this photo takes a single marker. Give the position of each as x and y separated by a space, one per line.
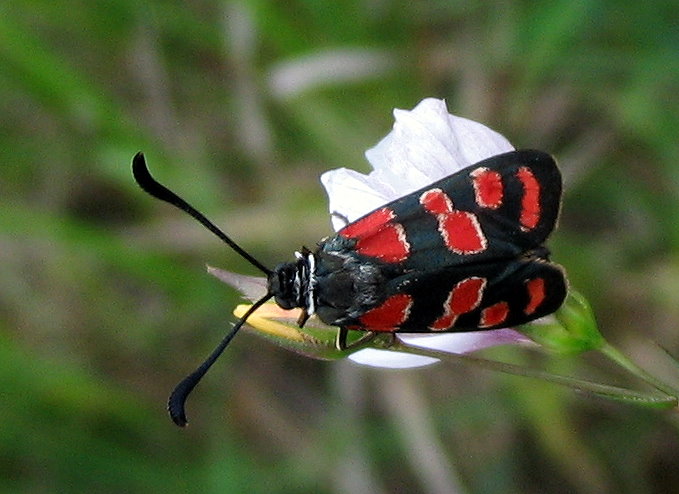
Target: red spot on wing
388 244
436 202
462 233
388 316
536 295
488 188
530 202
464 297
368 224
494 315
377 236
460 230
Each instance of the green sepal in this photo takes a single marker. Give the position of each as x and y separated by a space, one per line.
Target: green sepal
571 330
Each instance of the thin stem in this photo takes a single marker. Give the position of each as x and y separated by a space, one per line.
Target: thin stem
626 363
666 400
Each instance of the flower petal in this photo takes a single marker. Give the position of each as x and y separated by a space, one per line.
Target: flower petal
448 342
392 360
465 342
351 195
252 287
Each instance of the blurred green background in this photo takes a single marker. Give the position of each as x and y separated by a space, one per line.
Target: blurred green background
240 106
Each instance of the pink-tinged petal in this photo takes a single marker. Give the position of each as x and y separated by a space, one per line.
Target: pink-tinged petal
445 342
465 342
252 287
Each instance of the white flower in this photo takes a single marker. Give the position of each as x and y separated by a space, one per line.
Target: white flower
425 145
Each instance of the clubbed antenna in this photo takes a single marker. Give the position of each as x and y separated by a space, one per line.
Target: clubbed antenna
151 186
176 403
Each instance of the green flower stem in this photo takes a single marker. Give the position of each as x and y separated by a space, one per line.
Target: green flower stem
652 400
623 361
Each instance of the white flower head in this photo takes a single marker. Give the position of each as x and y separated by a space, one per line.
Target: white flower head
425 145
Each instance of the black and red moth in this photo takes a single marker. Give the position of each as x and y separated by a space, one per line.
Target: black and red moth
465 253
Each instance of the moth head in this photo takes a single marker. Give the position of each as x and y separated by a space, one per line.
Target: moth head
284 285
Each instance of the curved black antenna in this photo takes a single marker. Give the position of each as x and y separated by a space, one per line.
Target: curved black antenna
177 401
151 186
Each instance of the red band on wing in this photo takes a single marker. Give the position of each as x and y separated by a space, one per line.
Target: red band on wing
494 315
367 224
530 202
536 295
388 244
462 233
488 189
377 236
436 202
464 297
388 316
460 230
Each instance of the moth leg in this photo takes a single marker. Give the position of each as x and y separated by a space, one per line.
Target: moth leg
341 340
303 318
340 217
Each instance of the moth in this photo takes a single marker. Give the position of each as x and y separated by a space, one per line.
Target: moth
465 253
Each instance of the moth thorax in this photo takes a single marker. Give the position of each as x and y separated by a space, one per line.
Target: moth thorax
292 283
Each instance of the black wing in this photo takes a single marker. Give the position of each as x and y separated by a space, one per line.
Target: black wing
499 208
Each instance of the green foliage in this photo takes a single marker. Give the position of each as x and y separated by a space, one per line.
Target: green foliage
104 303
